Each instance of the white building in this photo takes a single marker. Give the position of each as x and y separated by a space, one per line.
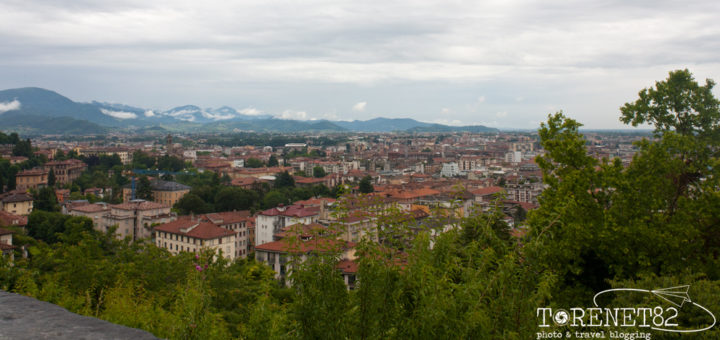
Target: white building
193 235
271 221
450 169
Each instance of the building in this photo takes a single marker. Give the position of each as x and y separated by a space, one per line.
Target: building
272 221
165 192
277 254
193 235
133 219
237 221
7 219
6 242
124 154
31 179
66 171
450 170
16 202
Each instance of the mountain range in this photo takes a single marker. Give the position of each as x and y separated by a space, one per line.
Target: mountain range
40 111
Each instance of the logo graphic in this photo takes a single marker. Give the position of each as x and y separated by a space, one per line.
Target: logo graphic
677 296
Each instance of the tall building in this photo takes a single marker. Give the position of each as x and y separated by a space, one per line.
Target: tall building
66 171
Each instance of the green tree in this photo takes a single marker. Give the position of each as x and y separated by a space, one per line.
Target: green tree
253 163
192 203
231 198
319 172
365 185
273 199
23 148
51 178
284 180
143 189
46 200
273 161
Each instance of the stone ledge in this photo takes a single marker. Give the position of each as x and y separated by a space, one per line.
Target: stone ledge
22 317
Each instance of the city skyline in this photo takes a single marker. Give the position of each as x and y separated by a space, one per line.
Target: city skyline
502 64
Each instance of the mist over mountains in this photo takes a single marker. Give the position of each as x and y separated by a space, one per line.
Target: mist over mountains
41 111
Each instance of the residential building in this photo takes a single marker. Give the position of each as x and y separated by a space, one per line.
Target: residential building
7 219
277 254
273 220
31 179
124 154
16 202
193 235
135 219
66 171
6 246
237 221
165 192
450 170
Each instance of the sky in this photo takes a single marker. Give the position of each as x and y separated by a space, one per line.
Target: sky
498 63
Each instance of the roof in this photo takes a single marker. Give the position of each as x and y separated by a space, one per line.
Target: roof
4 231
348 266
161 185
139 205
8 219
75 162
295 210
312 245
15 196
89 208
32 172
487 191
307 230
227 217
316 201
194 228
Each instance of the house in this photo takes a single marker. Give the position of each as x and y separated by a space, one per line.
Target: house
277 254
134 219
192 234
31 179
237 221
8 219
165 192
16 202
271 221
6 242
66 171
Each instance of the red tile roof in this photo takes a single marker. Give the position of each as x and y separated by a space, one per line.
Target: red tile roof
90 208
194 228
487 191
139 205
227 217
8 219
348 266
4 231
313 245
295 210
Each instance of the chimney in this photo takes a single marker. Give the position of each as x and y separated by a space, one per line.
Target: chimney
192 216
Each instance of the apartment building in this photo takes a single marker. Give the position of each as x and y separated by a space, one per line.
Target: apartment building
66 171
31 179
190 234
273 220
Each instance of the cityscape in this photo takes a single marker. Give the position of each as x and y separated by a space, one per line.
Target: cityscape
359 170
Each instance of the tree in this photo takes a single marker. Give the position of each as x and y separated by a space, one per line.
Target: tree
46 200
144 189
191 203
319 172
677 104
284 180
366 186
231 198
51 178
273 199
253 163
23 148
273 161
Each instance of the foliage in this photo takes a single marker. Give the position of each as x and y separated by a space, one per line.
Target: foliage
284 180
365 185
253 163
319 172
143 190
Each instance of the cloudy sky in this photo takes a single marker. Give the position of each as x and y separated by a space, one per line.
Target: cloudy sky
500 63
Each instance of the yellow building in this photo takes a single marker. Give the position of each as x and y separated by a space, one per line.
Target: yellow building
16 202
32 178
194 235
165 192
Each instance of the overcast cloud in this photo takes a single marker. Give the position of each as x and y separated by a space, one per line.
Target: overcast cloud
503 63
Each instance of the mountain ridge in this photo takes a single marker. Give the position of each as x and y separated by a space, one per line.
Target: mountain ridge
21 107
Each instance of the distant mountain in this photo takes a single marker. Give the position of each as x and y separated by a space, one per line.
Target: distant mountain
35 124
272 125
407 124
33 108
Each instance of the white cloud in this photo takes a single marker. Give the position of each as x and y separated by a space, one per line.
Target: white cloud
292 114
119 114
359 107
149 113
501 114
251 111
9 106
481 99
445 111
451 122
